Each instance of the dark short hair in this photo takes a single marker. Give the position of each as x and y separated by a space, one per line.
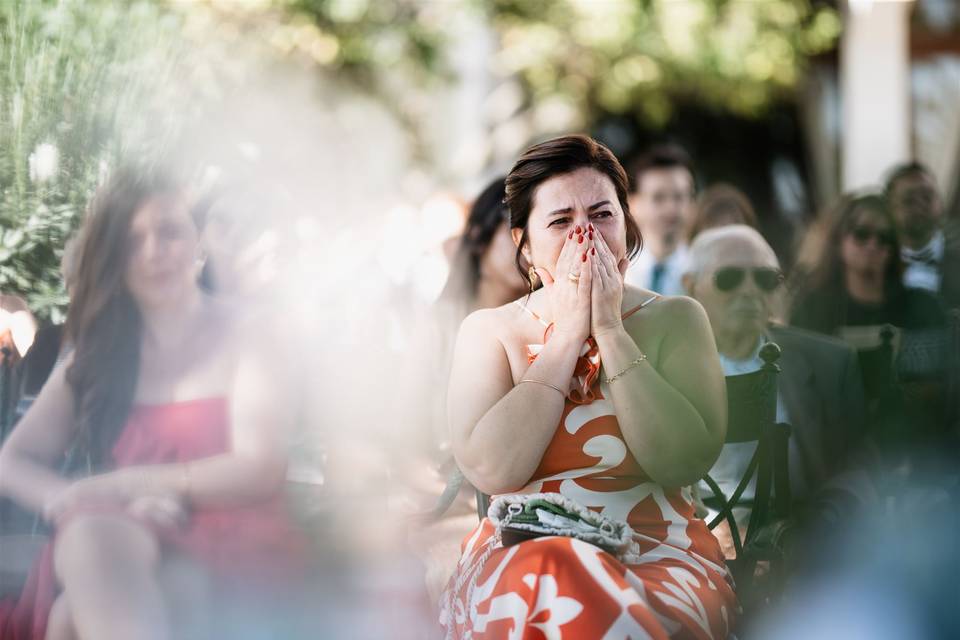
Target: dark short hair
661 156
902 171
557 157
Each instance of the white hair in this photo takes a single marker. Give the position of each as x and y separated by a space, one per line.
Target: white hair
709 244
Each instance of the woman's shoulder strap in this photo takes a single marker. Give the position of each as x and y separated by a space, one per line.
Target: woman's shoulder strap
632 311
532 314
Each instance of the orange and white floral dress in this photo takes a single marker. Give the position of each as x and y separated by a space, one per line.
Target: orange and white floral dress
671 583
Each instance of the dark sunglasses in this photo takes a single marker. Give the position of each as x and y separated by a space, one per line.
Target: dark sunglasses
729 278
862 235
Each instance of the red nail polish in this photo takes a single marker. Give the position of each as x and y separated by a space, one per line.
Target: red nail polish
593 251
584 259
591 235
580 239
590 227
570 237
579 229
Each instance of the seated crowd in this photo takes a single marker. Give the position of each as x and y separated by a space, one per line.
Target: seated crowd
591 321
883 263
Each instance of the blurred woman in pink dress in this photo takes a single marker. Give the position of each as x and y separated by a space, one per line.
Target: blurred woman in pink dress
156 449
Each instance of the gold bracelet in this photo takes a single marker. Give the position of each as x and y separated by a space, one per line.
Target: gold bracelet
546 384
642 357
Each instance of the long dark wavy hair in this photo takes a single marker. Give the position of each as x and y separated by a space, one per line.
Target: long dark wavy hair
828 274
820 300
487 213
104 323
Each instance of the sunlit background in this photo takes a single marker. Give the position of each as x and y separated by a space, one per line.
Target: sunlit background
370 125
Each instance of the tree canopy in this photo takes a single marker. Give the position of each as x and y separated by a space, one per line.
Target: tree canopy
85 85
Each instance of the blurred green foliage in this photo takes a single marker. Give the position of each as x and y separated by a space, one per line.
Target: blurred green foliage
72 79
363 37
610 56
635 56
84 84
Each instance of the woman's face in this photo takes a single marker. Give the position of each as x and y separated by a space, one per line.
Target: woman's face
565 202
867 244
162 265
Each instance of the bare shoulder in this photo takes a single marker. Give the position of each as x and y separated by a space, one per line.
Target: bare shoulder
481 323
664 317
498 322
681 314
664 309
680 308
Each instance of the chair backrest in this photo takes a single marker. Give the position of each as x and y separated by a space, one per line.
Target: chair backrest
911 380
752 417
876 364
483 504
953 371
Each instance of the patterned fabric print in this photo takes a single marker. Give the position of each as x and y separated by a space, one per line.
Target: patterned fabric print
671 584
584 374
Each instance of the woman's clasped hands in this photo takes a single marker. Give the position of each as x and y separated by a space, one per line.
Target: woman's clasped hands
585 290
122 489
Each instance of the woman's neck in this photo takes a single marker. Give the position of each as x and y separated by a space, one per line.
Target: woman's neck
661 247
493 293
226 283
916 243
737 346
170 325
865 286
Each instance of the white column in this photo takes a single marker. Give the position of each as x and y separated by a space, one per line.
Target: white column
875 89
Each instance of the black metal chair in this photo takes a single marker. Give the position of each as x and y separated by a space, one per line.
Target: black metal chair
751 417
483 504
911 381
876 368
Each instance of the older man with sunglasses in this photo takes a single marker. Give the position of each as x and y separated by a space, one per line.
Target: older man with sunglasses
735 275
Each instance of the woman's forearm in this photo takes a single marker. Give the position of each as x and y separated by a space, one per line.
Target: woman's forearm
28 483
664 431
506 446
225 480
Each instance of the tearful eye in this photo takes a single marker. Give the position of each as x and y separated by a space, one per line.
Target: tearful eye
602 214
558 222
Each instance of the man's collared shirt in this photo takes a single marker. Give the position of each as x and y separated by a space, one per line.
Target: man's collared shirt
923 265
669 279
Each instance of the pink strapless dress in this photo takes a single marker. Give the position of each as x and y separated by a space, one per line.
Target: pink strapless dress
258 544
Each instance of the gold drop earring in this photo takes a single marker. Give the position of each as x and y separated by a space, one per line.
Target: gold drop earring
533 277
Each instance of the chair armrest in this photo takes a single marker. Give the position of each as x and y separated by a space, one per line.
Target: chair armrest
772 540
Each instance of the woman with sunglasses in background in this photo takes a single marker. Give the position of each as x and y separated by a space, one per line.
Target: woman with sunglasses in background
857 279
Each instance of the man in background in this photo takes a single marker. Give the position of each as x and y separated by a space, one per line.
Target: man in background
662 204
930 251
